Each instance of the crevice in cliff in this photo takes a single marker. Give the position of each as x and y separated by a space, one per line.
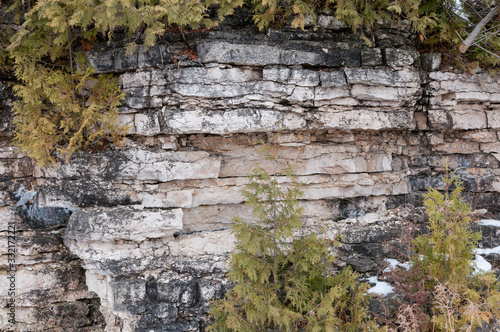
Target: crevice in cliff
178 234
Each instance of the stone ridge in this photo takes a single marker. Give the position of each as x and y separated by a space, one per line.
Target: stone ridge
137 239
219 100
251 88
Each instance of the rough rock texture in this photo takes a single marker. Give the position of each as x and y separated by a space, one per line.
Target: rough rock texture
145 228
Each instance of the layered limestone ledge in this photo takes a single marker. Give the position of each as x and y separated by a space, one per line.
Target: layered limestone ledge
50 287
368 129
107 238
137 164
122 246
319 99
463 102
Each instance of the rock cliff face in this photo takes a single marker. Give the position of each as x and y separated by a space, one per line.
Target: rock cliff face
136 239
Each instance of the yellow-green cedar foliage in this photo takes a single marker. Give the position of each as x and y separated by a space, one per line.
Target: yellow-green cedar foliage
63 106
442 24
282 282
61 112
456 297
447 22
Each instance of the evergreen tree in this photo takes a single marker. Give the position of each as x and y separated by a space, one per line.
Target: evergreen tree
282 281
441 291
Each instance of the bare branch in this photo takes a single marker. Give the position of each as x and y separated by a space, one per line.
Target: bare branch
488 35
477 30
489 52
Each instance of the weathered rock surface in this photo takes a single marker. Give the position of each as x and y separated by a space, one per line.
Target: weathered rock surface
137 239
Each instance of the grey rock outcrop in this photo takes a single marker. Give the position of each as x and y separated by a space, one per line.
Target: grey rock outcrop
137 239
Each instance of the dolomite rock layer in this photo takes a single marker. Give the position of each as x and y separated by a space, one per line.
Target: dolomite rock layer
146 228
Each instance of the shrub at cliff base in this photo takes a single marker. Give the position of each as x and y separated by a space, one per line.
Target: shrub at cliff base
284 283
442 290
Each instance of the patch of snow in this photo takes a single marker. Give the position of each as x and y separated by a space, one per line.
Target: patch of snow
57 231
24 197
380 287
394 263
489 222
487 251
481 265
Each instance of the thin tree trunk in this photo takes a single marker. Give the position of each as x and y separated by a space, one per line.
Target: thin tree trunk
477 30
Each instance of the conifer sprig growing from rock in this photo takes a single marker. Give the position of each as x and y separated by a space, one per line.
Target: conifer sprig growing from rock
283 282
441 287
